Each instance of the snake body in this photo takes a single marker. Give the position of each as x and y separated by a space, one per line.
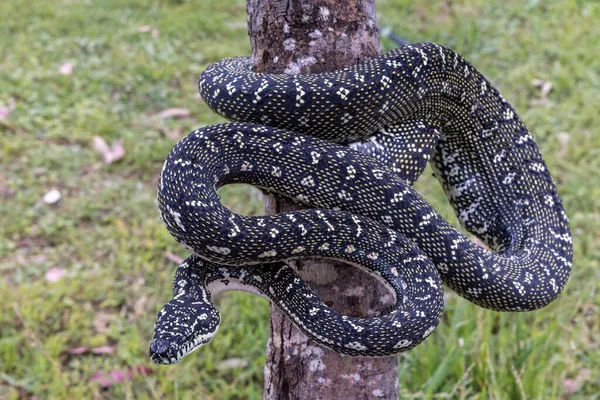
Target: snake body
389 117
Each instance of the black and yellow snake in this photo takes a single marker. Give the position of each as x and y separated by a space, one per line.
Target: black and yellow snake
389 116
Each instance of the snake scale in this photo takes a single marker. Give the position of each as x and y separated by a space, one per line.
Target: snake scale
349 144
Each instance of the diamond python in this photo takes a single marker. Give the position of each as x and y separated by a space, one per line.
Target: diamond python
389 116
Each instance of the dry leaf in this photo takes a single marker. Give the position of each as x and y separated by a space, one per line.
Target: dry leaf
5 111
95 350
39 171
52 197
110 154
232 363
5 189
55 274
537 82
173 113
148 28
142 370
78 350
118 151
40 259
174 134
103 350
173 257
102 321
571 385
545 88
100 145
139 307
563 140
106 379
67 68
238 25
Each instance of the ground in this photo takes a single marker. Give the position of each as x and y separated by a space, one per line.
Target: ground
83 276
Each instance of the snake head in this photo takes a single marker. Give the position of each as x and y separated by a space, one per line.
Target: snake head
184 324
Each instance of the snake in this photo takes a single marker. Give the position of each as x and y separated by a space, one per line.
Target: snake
349 144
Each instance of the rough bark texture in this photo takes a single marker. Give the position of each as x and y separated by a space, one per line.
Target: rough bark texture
301 36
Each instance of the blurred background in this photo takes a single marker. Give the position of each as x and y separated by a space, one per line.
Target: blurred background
94 94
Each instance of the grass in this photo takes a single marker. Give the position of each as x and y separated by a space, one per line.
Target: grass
106 236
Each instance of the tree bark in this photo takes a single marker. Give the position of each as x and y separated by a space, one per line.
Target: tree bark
309 36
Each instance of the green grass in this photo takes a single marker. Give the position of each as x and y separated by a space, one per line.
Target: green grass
105 231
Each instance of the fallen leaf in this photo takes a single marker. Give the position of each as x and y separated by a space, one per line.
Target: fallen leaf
5 111
102 321
67 68
39 171
52 197
232 363
40 259
174 134
545 88
95 350
148 28
537 82
78 350
143 370
571 385
55 274
238 25
563 140
110 154
584 374
118 151
103 350
173 257
173 113
5 189
139 307
107 379
10 127
100 145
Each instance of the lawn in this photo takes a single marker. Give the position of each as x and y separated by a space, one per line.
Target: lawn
83 275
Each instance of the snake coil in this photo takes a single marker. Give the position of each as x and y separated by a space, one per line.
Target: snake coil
350 143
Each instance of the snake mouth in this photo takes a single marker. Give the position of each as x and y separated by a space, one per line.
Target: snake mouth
171 351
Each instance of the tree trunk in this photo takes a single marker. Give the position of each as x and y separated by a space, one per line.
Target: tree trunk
302 36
